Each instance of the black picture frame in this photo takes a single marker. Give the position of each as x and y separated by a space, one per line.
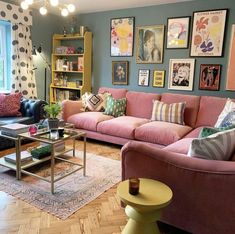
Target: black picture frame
122 32
178 32
120 72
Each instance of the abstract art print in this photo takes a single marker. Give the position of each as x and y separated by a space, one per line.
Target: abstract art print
230 85
178 32
120 72
208 33
158 78
122 36
181 74
149 44
210 76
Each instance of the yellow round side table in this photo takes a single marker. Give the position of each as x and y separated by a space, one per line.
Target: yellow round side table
145 208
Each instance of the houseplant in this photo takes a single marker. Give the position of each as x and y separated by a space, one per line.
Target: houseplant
52 111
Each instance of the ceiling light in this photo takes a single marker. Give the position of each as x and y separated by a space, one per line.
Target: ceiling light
54 2
24 5
29 2
43 10
71 8
64 8
64 12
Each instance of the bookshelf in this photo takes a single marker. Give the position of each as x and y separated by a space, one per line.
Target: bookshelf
71 66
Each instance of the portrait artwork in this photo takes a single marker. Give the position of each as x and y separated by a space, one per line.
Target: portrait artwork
181 74
122 36
149 44
210 76
120 72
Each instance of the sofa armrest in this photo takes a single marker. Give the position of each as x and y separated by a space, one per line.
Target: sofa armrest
33 108
70 107
202 189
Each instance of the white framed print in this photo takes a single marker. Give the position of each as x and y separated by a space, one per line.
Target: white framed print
181 74
143 78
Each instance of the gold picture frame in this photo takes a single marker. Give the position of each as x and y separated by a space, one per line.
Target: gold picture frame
159 78
149 44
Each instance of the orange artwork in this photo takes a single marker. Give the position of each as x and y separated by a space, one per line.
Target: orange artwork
231 63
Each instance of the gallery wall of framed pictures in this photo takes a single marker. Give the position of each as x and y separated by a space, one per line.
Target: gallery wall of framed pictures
200 34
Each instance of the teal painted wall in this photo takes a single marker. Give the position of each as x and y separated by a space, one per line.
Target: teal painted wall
99 24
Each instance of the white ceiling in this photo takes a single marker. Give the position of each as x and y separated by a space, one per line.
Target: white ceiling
87 6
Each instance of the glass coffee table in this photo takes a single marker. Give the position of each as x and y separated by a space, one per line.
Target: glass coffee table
44 136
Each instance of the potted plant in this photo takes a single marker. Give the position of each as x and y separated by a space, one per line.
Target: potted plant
52 111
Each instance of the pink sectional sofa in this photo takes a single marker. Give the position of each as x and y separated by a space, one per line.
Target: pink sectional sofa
136 125
203 189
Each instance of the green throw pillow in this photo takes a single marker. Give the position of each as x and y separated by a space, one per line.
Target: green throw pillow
205 132
115 107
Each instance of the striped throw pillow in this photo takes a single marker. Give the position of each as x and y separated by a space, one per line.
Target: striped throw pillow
219 146
173 113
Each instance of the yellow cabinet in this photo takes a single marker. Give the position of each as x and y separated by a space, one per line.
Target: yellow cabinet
71 66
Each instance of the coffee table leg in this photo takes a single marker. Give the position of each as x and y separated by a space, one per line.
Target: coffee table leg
74 147
52 168
141 222
18 166
84 156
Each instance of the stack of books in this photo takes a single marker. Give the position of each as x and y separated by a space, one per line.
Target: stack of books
25 158
13 129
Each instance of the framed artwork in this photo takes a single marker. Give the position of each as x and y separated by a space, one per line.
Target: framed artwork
158 79
208 33
181 74
178 32
149 44
209 76
143 77
120 72
122 36
230 84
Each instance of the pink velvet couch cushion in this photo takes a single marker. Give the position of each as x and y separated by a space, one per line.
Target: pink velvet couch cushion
116 93
209 110
181 146
140 104
161 132
192 105
88 120
123 126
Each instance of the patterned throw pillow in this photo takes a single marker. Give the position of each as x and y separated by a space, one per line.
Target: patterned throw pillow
115 107
10 104
206 131
218 146
173 113
229 107
228 120
94 102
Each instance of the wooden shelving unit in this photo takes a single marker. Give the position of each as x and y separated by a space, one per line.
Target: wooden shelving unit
61 88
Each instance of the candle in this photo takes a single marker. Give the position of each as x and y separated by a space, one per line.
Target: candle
134 184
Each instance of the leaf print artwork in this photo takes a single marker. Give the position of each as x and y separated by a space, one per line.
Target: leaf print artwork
208 33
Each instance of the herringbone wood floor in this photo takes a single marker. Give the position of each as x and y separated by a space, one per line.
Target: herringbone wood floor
102 216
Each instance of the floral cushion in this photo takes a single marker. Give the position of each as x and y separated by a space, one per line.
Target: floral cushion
10 105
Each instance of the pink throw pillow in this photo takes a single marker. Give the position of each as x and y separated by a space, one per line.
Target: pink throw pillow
10 104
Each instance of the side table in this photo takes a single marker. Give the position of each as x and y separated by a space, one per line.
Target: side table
145 208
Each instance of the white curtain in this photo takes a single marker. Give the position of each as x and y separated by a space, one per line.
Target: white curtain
23 77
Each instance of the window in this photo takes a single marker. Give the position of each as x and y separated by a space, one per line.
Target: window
5 56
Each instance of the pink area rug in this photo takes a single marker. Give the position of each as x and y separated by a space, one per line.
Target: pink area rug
71 193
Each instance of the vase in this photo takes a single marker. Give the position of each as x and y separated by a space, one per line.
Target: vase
53 123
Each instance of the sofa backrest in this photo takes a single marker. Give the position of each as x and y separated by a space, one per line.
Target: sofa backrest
116 93
140 104
192 105
209 110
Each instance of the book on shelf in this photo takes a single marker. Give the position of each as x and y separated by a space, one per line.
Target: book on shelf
13 129
25 157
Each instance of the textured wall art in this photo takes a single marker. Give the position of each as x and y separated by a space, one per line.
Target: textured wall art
231 63
122 36
208 33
